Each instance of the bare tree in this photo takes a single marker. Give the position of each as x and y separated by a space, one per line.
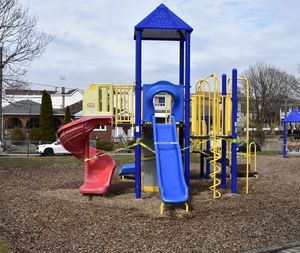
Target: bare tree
20 40
269 89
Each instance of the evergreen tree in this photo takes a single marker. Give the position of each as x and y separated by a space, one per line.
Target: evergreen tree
47 120
67 118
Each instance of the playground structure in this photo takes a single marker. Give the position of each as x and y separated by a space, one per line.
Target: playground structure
204 123
214 130
293 146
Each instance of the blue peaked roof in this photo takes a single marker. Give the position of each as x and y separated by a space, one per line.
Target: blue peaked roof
163 24
293 116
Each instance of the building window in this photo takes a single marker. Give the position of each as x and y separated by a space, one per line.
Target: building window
100 128
33 123
13 123
159 101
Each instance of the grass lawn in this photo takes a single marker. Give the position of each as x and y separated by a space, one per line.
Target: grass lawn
42 161
38 161
34 161
4 245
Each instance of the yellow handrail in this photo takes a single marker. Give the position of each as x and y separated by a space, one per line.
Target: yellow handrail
254 155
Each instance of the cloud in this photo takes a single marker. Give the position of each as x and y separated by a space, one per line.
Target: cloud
94 40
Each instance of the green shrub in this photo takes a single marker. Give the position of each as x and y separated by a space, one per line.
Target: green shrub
67 118
104 145
131 142
118 146
35 134
16 135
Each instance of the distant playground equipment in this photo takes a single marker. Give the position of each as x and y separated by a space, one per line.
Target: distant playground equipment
291 147
204 123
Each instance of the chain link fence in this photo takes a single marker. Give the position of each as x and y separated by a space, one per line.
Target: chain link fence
20 147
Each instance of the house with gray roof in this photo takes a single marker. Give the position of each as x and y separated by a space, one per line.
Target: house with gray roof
25 114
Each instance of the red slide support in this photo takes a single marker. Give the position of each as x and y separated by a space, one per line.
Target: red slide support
75 138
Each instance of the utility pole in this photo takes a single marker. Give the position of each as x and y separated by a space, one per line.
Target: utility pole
1 87
29 126
63 91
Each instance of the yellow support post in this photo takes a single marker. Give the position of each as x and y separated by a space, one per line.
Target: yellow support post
186 207
117 106
162 208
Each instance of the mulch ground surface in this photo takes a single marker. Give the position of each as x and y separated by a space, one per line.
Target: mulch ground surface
41 210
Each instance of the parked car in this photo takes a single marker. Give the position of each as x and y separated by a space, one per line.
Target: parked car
3 145
54 148
242 147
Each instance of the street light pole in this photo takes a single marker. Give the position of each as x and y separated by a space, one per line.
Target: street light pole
29 127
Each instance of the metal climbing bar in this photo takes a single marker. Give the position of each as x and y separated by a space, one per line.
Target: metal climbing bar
216 169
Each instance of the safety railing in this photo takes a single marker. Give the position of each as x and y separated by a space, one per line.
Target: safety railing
106 99
211 109
124 103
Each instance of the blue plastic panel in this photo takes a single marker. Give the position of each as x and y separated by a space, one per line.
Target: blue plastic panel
163 24
127 169
150 90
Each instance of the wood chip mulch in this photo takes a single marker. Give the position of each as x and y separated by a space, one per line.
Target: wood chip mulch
41 210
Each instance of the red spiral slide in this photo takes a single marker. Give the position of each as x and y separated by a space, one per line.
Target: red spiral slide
75 138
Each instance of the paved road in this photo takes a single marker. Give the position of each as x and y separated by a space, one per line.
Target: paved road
295 249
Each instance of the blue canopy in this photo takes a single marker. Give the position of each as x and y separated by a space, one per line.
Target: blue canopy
163 24
293 116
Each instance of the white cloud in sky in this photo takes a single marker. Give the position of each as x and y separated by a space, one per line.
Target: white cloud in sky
94 39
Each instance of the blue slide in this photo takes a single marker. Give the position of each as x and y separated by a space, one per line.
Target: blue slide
172 185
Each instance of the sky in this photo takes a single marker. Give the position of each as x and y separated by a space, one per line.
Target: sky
94 39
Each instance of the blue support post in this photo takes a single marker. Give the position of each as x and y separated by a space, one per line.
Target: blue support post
187 110
181 82
207 161
284 139
138 79
201 163
234 133
201 166
181 62
223 176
